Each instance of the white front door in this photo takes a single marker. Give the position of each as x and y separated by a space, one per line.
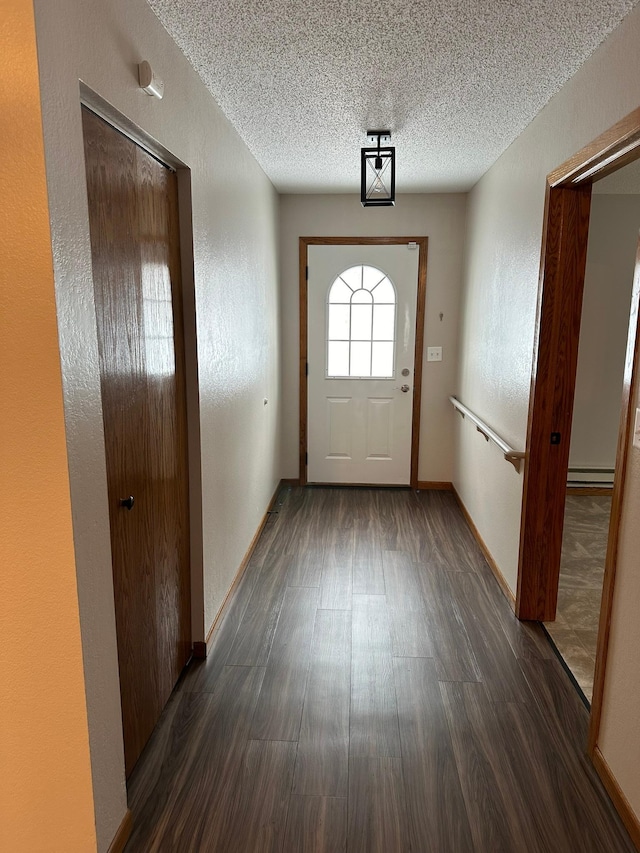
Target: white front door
361 349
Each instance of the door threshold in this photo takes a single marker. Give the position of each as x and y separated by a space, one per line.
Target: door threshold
362 485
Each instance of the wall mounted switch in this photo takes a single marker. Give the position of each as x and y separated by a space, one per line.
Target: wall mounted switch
434 353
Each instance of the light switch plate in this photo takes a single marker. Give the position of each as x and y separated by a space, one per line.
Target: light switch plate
636 430
434 353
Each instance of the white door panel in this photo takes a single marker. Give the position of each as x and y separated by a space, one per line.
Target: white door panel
339 416
359 428
379 427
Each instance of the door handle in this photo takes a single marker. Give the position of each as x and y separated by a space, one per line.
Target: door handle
127 502
404 388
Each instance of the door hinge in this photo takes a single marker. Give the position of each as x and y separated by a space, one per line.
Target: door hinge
306 369
306 458
306 273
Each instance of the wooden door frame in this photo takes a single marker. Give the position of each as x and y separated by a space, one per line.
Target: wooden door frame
564 245
304 243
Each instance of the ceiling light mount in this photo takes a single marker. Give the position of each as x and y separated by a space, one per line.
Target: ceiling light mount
382 136
378 170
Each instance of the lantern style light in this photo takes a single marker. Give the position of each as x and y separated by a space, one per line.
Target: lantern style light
378 170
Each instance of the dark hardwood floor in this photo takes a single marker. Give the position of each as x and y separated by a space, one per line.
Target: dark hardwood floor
369 690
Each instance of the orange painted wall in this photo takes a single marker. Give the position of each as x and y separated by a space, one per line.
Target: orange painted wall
46 800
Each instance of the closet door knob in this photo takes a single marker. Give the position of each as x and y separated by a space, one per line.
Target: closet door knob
127 502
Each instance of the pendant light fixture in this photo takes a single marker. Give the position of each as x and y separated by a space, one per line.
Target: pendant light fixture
378 170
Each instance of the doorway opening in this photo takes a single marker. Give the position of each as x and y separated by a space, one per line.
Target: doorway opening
564 256
614 225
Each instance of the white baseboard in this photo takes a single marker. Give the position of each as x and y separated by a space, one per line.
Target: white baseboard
584 476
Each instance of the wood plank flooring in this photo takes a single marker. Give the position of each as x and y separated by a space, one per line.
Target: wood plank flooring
369 689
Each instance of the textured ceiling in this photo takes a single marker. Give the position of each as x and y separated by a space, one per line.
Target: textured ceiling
455 80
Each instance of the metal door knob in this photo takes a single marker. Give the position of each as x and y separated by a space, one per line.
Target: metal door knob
128 502
404 388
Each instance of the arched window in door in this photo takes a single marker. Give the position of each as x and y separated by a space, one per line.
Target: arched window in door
361 325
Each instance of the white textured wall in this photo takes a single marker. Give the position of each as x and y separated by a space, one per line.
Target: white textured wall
235 261
611 255
498 317
441 218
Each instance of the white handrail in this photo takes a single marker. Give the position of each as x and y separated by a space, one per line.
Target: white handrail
511 455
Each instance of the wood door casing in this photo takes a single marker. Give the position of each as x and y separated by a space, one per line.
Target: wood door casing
564 257
133 216
564 247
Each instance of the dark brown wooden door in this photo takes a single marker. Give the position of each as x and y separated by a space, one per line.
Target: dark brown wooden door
133 216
